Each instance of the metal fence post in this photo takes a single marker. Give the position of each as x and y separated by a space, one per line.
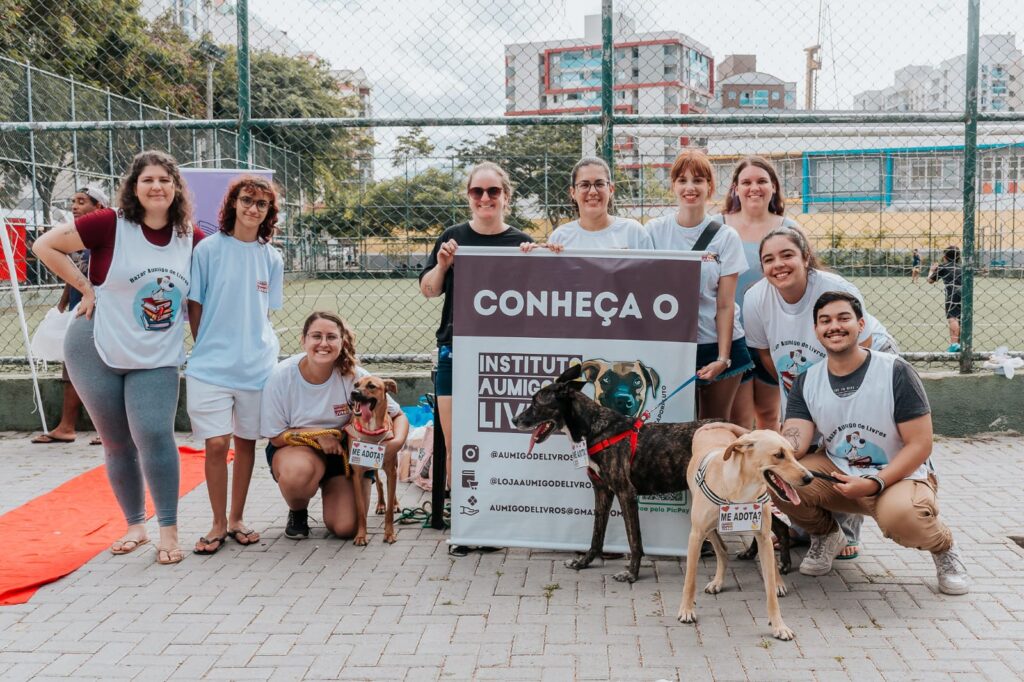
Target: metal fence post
244 99
607 83
970 190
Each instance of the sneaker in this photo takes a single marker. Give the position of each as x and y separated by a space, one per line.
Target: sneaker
823 549
298 524
953 348
951 572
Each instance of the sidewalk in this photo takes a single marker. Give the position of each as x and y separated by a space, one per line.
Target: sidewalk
325 609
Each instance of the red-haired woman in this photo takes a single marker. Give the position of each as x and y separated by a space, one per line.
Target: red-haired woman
237 278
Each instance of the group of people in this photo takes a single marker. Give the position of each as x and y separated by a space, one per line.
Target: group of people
768 314
148 266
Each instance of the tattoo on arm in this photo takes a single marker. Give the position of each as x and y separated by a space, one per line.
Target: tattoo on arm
793 435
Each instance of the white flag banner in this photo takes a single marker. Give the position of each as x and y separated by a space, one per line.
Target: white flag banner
520 321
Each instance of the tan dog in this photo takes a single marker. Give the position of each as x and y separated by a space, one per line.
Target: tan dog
738 469
371 423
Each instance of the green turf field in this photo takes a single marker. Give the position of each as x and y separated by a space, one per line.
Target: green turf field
390 315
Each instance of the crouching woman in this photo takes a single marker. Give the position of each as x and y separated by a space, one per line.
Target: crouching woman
309 393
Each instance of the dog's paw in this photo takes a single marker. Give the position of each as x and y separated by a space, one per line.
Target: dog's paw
713 587
625 576
390 536
360 540
781 589
687 615
785 566
749 554
381 508
577 564
782 632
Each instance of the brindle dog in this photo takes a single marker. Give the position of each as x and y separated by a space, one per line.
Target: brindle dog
659 465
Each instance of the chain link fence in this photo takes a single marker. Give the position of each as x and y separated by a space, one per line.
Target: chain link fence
369 114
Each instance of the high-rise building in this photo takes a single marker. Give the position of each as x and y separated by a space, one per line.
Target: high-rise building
663 72
941 88
741 86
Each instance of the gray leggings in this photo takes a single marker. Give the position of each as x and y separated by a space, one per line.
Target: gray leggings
133 410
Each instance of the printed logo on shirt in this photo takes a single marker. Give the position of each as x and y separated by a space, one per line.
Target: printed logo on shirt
860 452
157 305
262 286
710 257
792 365
341 410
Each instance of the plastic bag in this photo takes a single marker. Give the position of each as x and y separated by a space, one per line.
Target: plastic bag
1001 363
48 341
414 458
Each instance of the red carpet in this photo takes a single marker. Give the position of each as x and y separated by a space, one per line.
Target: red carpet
49 537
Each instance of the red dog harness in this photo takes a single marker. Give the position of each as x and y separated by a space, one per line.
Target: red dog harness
632 433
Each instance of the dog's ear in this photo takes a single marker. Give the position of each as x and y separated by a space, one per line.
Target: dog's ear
737 447
391 386
592 369
653 380
572 374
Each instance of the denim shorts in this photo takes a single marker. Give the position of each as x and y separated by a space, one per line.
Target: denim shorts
708 353
758 371
443 371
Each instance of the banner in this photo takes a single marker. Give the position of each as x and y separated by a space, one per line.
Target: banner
208 187
520 320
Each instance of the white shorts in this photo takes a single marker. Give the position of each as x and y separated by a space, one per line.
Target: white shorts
219 411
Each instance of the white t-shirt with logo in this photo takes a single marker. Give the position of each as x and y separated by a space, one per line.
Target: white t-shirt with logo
623 233
787 329
860 432
237 283
669 235
291 402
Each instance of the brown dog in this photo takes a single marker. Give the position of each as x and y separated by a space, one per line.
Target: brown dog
371 423
728 469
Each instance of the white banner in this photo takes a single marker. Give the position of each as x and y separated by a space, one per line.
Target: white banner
520 320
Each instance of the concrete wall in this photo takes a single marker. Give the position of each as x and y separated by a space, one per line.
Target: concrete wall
961 405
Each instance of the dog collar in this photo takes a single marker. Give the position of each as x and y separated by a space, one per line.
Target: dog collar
357 425
632 433
700 478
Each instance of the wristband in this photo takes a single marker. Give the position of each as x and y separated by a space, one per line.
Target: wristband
727 361
879 481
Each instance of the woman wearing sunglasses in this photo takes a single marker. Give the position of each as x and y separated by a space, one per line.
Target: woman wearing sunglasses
489 191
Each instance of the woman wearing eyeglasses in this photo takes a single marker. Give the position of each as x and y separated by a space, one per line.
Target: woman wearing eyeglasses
237 278
591 189
489 191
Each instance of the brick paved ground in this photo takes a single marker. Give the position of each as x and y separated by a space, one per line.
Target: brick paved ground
324 609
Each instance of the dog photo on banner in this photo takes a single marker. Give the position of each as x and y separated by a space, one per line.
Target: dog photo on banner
628 321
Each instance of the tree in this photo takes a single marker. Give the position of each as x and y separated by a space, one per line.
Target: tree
539 160
294 87
410 145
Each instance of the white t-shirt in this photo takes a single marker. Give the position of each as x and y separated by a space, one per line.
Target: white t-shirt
787 329
237 283
623 233
669 235
291 402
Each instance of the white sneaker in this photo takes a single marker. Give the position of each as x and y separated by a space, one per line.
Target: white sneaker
823 549
951 572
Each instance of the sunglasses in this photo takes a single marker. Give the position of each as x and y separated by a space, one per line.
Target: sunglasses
248 202
491 192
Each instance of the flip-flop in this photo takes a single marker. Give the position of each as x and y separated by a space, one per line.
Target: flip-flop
245 533
854 555
160 551
220 543
96 441
135 544
47 439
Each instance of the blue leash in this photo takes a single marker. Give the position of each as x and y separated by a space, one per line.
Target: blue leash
647 413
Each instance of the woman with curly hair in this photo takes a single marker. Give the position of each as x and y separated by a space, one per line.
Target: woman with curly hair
125 346
237 278
309 393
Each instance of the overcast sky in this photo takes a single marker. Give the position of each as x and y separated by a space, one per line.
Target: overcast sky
445 58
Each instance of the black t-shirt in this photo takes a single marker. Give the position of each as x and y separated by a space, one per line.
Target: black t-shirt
909 398
951 275
464 235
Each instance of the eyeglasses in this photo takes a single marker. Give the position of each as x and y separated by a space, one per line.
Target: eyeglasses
491 192
248 202
586 186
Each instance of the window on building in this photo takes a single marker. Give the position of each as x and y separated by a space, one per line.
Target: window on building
847 177
775 95
732 95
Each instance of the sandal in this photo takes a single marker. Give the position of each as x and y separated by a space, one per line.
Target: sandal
221 541
96 441
174 555
244 533
47 439
852 555
128 545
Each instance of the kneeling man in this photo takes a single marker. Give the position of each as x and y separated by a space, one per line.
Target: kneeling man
872 412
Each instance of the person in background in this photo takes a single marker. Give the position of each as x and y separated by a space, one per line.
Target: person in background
124 359
85 201
950 271
754 206
722 355
237 279
915 266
